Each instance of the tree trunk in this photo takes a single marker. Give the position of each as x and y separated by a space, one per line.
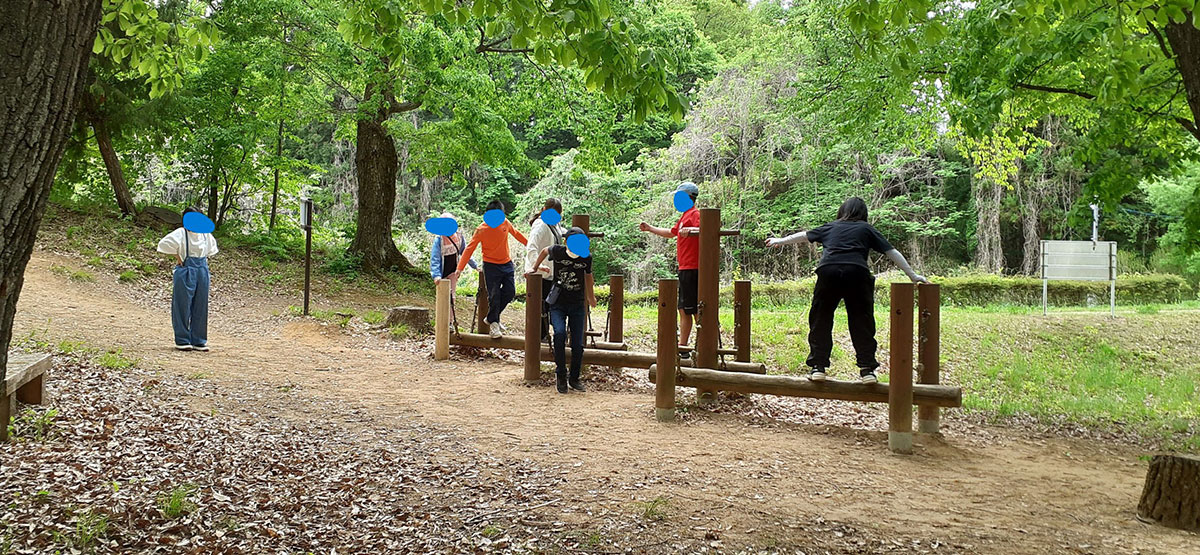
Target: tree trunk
1184 39
989 254
1171 495
376 164
213 190
275 190
45 47
112 163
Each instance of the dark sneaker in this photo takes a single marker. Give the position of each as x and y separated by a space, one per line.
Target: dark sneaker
867 376
576 384
685 355
816 375
562 384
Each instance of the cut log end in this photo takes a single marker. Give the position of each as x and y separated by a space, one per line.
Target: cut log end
416 318
1171 496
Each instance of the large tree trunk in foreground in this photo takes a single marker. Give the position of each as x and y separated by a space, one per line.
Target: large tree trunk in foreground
112 163
44 49
1171 496
376 164
1184 39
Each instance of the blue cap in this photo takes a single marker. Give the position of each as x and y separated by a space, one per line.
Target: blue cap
689 188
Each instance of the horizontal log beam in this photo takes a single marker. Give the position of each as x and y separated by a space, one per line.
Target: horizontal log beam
730 232
600 357
715 380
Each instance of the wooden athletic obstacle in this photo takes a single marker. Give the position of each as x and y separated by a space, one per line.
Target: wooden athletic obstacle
612 350
900 395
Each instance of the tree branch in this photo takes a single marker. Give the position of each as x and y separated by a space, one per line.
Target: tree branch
1059 90
1162 44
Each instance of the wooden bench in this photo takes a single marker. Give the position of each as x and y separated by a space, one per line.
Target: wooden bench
23 382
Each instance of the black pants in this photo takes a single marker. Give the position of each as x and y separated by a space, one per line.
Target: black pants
501 289
856 286
547 283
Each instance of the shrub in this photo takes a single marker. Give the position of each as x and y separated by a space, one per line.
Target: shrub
973 290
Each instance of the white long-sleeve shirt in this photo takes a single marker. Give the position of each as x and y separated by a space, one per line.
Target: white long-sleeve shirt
540 237
198 244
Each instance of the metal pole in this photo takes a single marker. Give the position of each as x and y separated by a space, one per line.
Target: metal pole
307 266
533 327
741 320
668 353
707 311
929 349
900 398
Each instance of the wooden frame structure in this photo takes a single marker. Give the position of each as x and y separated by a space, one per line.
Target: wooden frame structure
708 374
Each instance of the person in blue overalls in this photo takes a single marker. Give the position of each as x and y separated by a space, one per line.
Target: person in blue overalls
189 299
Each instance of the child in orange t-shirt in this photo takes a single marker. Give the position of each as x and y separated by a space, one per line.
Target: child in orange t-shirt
497 263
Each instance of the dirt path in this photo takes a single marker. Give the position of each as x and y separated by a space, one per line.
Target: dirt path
741 481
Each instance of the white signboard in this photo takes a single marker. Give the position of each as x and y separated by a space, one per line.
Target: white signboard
305 213
1080 260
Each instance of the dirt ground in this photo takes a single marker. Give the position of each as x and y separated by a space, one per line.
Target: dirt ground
748 483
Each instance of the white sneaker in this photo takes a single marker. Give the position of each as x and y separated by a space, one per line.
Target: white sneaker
494 330
201 348
503 330
183 347
817 375
867 376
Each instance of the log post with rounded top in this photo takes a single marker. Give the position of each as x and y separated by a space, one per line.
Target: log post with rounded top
668 354
616 312
533 327
741 320
900 394
929 351
708 293
441 321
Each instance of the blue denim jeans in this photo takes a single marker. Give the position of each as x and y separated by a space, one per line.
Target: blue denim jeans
500 288
189 302
562 316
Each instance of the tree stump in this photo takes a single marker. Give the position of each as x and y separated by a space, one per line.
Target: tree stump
1171 496
157 217
414 317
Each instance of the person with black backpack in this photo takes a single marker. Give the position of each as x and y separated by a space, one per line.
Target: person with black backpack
843 274
544 232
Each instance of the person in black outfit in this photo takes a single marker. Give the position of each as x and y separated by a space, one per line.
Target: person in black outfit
573 286
843 274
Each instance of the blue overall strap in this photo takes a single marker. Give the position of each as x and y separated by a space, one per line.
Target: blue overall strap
186 253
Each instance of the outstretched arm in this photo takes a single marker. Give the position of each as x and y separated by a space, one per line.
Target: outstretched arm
800 237
655 230
537 265
901 263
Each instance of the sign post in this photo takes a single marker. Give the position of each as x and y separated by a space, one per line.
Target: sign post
306 210
1080 260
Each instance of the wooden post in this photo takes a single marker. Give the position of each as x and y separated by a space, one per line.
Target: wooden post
7 404
441 321
482 304
616 308
709 290
668 353
533 327
616 312
582 221
741 320
900 395
929 351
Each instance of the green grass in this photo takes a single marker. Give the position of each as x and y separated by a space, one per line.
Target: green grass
81 276
128 276
374 317
177 502
32 425
115 360
1137 373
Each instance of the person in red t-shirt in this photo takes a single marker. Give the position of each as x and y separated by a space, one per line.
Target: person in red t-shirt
687 253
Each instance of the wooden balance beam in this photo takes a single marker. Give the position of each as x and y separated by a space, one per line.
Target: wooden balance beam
790 386
598 357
